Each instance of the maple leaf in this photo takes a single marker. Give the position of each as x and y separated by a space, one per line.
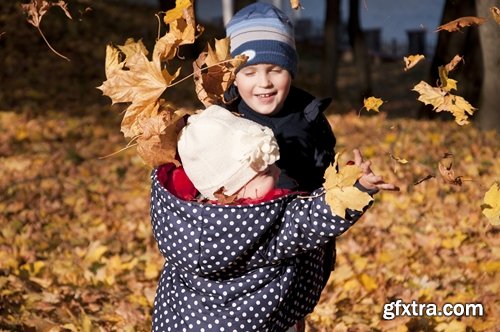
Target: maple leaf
491 206
157 144
37 9
340 191
214 71
429 95
182 31
447 84
461 22
495 13
412 60
142 84
442 100
178 11
372 103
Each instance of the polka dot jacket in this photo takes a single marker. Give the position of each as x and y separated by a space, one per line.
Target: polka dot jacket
255 267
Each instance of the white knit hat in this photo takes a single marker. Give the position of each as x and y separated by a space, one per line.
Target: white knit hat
219 149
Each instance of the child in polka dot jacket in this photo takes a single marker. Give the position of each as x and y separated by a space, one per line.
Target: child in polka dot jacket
254 264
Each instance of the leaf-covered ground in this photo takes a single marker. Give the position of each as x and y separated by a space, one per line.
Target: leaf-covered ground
76 248
77 253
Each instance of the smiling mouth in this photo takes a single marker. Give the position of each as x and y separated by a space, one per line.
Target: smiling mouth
265 95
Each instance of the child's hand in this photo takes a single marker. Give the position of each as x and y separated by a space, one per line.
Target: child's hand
369 180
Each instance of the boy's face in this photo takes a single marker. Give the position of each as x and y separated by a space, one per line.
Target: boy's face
264 87
261 184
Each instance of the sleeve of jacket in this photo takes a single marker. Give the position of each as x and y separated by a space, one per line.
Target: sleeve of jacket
308 223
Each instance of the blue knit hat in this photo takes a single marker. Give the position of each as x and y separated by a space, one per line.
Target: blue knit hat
264 34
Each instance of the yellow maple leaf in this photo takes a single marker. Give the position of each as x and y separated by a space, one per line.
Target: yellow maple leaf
372 104
491 204
458 106
178 11
412 60
182 31
442 100
429 95
340 191
447 84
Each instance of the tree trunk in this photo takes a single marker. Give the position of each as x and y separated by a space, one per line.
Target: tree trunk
489 33
464 43
331 49
360 51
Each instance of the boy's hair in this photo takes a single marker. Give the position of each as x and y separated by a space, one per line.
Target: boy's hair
264 34
219 149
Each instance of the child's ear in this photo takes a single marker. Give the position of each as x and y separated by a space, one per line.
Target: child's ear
235 84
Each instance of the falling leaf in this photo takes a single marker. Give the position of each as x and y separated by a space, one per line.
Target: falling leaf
340 191
442 100
453 63
495 13
214 72
399 160
182 30
445 167
36 9
178 11
447 84
412 60
372 104
460 23
491 204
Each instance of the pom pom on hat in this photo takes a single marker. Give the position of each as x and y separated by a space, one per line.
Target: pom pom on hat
264 34
219 149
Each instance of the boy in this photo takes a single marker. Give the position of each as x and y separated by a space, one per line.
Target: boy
248 266
263 92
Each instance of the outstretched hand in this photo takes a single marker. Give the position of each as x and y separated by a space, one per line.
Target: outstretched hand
370 180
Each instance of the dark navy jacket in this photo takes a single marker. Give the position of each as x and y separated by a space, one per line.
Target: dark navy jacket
304 136
256 267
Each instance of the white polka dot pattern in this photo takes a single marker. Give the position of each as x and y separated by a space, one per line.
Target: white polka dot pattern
239 268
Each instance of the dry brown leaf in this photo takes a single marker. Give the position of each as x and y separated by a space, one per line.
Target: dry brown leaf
176 13
412 60
36 9
445 167
223 198
214 72
453 63
158 143
182 30
461 22
142 84
495 13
